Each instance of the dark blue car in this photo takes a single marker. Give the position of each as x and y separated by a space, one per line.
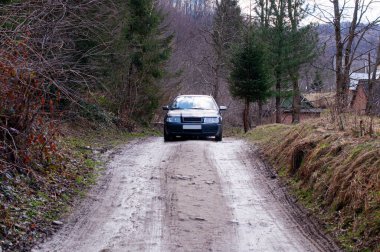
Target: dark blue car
193 115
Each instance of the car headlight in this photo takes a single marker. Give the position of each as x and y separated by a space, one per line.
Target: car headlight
171 119
211 120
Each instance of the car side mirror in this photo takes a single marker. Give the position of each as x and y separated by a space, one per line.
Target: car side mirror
165 107
222 108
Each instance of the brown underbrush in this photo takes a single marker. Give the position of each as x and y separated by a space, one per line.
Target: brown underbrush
336 174
34 201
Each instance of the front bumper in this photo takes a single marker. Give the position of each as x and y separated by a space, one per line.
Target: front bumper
207 129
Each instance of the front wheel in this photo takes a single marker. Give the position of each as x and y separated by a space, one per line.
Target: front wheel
219 137
167 137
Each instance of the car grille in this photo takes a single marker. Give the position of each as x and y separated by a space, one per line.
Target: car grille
192 119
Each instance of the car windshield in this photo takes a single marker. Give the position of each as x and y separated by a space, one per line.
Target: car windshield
194 102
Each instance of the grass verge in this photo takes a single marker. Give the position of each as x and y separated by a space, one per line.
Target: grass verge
334 174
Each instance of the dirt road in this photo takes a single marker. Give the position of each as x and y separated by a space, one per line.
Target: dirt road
188 196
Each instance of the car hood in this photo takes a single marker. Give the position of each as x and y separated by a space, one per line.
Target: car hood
193 113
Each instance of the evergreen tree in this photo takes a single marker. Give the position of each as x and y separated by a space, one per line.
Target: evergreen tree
275 38
290 46
301 44
227 28
317 84
150 50
250 78
143 50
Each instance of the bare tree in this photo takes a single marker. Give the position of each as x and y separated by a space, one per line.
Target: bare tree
370 101
193 60
45 56
346 43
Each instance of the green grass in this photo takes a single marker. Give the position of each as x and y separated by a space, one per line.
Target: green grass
65 197
359 149
306 197
233 131
267 132
91 163
109 137
283 172
31 213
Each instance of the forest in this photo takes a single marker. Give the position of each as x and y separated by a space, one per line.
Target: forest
113 64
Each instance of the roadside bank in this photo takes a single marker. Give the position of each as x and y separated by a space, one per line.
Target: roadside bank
332 173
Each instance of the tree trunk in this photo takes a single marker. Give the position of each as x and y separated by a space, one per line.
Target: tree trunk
278 101
294 75
296 110
219 59
338 59
246 115
342 70
260 106
216 84
369 105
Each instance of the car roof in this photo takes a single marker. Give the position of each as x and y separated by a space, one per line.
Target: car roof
194 95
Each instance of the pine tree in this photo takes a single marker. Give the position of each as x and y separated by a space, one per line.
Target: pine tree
275 37
290 46
250 78
301 44
143 50
227 28
317 84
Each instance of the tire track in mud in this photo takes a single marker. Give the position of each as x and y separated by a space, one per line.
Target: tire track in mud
123 212
197 218
307 224
268 220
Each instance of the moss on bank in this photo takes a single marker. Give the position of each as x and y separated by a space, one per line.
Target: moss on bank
334 174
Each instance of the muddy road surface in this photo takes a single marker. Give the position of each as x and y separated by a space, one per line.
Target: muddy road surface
195 195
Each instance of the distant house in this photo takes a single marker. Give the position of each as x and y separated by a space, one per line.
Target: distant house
320 100
308 110
366 74
360 97
356 77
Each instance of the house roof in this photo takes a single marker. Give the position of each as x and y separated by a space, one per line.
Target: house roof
306 105
320 99
356 77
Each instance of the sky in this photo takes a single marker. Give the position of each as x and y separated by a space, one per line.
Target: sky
372 13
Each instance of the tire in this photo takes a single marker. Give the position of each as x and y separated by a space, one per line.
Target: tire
219 137
167 137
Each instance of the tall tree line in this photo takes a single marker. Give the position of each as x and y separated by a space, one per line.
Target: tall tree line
98 59
226 32
290 47
286 47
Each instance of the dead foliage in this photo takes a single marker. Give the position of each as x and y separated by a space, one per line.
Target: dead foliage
43 60
29 205
27 113
337 174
